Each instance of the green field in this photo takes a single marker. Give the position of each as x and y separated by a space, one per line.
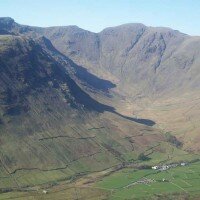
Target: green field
180 181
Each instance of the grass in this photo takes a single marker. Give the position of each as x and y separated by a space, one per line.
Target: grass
113 185
35 177
179 180
122 178
57 194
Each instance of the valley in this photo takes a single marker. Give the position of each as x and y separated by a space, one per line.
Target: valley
87 115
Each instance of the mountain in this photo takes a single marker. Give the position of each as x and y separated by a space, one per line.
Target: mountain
76 105
146 60
51 128
138 57
153 70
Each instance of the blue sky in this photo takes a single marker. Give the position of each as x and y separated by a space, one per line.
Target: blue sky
94 15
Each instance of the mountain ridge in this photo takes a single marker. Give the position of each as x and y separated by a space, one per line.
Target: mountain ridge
149 66
10 20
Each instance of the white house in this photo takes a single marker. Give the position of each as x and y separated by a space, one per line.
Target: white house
44 192
155 167
164 167
183 164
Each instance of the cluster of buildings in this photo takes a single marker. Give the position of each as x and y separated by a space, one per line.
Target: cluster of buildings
166 167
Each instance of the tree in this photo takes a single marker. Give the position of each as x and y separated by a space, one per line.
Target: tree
173 140
142 157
